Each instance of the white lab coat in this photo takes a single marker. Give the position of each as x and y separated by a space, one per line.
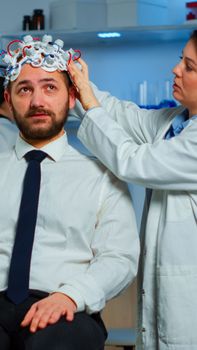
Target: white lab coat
135 150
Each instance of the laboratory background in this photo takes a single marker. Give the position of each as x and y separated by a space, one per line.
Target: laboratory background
131 47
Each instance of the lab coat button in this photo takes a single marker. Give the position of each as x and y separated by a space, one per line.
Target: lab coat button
143 291
143 329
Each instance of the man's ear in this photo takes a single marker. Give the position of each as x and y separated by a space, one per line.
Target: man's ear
72 97
7 98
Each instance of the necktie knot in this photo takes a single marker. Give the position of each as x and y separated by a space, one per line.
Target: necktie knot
37 155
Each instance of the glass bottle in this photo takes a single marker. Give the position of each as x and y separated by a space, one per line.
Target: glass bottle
27 23
38 20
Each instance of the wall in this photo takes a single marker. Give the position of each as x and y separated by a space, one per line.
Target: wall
12 13
121 68
176 11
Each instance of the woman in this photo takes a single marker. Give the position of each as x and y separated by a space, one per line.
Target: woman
156 149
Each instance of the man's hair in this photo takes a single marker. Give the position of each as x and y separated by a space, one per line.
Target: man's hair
2 80
67 78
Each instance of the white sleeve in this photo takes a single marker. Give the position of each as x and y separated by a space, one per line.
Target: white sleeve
141 124
115 247
163 164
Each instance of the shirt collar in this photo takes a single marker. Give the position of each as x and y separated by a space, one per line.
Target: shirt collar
183 119
54 149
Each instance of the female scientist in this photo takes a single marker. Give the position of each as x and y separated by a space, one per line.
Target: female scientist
158 150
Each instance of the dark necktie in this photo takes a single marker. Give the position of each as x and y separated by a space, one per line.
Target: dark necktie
18 279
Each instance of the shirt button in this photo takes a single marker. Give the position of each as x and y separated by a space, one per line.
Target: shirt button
143 329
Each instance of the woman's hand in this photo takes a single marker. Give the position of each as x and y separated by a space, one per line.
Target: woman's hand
81 82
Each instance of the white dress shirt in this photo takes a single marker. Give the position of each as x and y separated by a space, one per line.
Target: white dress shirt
86 242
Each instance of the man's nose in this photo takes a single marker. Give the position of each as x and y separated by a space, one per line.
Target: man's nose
37 98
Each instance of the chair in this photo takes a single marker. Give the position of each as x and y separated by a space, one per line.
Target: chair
121 337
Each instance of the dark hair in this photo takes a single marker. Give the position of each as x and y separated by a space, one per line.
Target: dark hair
2 72
67 78
1 90
193 37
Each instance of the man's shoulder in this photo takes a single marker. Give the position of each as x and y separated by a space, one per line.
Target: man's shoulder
84 156
92 165
6 155
89 161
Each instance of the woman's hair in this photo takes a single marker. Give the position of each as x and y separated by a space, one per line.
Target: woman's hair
193 37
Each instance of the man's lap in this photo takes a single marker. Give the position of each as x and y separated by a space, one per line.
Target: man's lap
84 332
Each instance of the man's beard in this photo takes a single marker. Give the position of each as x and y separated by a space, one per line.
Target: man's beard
34 131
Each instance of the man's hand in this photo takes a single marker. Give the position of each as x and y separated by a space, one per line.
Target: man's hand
48 311
82 85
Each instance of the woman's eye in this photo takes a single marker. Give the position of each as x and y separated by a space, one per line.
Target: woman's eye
188 68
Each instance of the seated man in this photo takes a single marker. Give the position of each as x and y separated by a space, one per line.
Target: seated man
68 233
8 129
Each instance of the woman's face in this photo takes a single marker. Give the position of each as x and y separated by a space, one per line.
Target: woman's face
185 80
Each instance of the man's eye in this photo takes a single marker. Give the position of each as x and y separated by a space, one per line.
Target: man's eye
50 87
24 89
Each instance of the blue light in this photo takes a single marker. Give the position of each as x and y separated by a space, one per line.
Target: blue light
109 35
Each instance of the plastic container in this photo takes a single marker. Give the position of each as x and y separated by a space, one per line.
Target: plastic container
126 13
38 20
78 14
191 8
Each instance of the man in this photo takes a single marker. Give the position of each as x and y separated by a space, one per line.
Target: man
8 129
156 149
85 247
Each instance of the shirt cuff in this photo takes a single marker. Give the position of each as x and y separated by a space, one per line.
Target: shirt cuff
73 294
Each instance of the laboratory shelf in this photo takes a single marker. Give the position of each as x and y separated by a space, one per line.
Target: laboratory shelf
128 34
